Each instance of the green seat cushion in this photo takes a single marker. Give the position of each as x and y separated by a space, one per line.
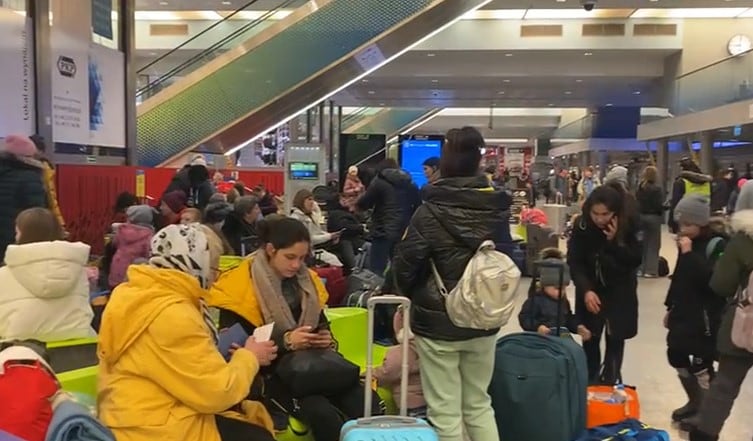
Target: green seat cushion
83 381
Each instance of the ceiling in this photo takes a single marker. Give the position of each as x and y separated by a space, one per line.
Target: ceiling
508 127
617 4
513 79
214 5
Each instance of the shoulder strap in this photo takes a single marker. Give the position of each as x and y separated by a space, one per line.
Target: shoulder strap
711 246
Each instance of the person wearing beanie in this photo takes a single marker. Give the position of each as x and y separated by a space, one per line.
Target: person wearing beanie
353 188
132 241
693 310
617 174
172 205
194 181
21 184
548 307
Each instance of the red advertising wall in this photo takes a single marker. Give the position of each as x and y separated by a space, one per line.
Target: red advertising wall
87 193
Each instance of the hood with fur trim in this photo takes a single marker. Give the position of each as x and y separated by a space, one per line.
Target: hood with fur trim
742 221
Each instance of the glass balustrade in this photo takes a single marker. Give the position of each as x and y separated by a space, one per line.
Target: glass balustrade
724 82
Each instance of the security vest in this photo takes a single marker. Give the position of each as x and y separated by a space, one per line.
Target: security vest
703 189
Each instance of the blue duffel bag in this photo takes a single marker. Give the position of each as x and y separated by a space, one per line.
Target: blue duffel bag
628 430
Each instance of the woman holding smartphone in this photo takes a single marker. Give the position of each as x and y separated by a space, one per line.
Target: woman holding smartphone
604 254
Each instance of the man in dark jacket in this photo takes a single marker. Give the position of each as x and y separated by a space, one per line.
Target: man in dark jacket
193 180
21 186
394 198
690 181
456 362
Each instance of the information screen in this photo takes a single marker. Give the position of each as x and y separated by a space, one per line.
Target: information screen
413 153
303 171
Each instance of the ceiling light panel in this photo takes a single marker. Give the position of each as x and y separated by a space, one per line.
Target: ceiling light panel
561 14
689 13
747 14
495 14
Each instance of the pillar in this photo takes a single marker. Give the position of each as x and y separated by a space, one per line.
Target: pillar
662 163
707 148
39 10
127 24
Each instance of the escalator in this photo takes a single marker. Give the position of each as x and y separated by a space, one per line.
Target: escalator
249 82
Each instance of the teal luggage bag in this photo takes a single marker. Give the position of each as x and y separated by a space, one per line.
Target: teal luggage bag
538 389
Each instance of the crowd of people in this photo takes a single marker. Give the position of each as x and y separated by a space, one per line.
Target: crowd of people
161 373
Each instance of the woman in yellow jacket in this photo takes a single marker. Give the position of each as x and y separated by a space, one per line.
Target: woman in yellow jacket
161 376
293 299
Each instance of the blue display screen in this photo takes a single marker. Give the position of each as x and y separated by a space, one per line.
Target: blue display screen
303 171
413 153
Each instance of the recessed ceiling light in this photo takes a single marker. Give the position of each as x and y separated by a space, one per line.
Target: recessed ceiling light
364 80
163 3
588 54
381 104
508 55
434 81
505 81
609 104
637 92
371 92
431 55
561 1
578 80
568 92
551 105
501 92
227 3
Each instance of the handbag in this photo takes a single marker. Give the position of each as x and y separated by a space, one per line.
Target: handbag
316 372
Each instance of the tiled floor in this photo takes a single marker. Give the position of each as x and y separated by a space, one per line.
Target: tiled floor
646 364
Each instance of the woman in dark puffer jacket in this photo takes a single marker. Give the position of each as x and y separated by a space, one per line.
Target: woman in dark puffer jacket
456 363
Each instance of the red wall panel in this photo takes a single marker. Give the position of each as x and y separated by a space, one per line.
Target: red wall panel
87 194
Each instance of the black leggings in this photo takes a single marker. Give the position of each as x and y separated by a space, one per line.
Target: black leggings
612 357
236 430
326 415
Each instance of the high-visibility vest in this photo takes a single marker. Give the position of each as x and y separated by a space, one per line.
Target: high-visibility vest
703 189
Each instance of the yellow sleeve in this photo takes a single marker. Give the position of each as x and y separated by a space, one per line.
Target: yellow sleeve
321 290
185 361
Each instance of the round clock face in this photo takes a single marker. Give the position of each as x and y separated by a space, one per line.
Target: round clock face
739 44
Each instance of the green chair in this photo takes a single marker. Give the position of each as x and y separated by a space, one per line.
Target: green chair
82 381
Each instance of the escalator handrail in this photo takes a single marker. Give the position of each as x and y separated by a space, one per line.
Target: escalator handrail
185 43
250 25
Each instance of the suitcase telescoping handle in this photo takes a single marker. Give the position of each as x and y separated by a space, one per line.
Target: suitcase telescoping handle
561 267
403 302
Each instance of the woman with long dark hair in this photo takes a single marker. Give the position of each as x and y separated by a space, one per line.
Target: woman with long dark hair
604 253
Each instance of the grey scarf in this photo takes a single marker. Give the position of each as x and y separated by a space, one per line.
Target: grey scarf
273 305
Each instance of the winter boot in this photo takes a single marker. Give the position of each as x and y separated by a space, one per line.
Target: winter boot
703 381
694 392
697 435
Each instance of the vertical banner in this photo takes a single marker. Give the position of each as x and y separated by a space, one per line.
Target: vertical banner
106 97
515 160
17 112
70 90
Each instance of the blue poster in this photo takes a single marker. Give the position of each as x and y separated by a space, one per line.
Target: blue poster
102 18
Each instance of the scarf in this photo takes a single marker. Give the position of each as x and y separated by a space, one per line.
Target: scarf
273 305
185 248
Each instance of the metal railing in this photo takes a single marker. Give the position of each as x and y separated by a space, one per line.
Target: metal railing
222 35
725 81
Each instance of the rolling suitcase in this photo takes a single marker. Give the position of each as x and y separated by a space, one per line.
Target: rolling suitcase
538 376
389 427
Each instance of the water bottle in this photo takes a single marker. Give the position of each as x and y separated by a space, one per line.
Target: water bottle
621 396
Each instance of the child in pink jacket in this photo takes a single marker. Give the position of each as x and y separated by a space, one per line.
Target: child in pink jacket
353 188
132 242
388 374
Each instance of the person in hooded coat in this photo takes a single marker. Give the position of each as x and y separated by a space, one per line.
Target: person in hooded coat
730 275
193 180
394 198
456 363
21 185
